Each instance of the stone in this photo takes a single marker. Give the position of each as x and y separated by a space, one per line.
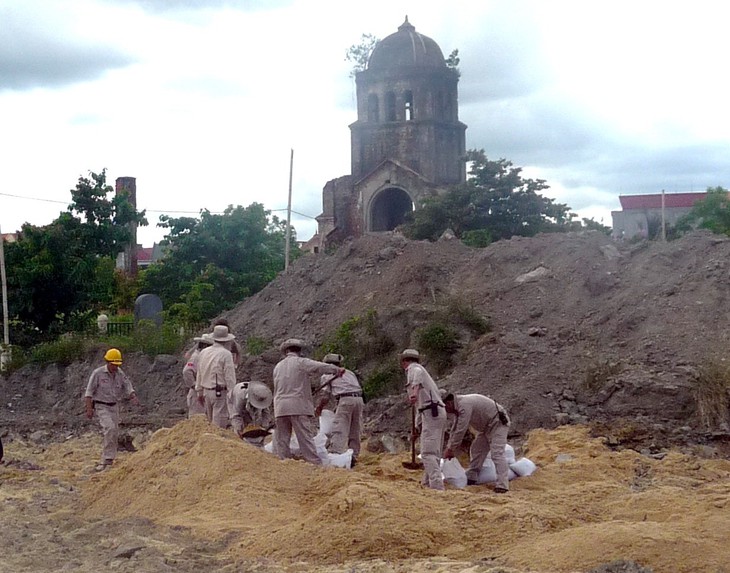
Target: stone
148 307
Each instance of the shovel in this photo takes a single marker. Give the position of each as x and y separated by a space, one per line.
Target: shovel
413 464
254 432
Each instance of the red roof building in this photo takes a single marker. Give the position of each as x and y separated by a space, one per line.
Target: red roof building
639 213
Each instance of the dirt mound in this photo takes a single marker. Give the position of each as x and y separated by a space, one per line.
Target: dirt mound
669 514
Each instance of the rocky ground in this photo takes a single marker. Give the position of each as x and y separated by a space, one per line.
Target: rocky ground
584 332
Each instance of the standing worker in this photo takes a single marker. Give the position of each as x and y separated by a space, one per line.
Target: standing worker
250 405
347 424
216 377
107 386
190 373
293 402
233 346
490 423
423 394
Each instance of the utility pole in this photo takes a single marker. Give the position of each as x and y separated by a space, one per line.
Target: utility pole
288 214
5 348
664 222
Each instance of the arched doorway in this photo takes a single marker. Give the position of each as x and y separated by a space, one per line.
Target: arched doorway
388 209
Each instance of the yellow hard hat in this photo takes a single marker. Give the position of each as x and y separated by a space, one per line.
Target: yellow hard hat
114 356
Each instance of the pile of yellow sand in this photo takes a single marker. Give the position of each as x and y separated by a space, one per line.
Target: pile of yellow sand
585 505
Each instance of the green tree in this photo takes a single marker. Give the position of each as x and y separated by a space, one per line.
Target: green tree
60 274
214 262
495 203
711 213
453 61
359 54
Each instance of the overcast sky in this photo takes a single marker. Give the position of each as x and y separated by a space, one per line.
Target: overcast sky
203 100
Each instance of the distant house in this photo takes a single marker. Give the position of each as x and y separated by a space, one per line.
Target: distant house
639 213
145 256
9 237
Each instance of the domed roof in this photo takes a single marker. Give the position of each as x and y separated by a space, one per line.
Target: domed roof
406 48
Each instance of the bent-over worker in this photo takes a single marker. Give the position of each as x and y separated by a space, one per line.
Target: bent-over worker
490 424
250 405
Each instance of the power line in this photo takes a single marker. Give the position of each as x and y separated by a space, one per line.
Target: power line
146 210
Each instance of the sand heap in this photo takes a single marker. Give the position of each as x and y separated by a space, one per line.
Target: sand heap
585 506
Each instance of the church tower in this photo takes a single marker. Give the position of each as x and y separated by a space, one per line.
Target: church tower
407 143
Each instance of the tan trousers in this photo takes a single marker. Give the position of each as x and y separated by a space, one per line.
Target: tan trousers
108 417
347 426
216 408
303 430
432 442
493 440
195 408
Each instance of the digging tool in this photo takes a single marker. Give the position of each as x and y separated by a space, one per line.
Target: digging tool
413 464
254 432
335 377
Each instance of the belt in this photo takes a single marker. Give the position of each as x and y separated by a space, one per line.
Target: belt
105 403
428 407
349 395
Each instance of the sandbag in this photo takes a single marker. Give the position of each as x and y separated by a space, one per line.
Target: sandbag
326 420
453 473
488 473
509 454
523 467
340 460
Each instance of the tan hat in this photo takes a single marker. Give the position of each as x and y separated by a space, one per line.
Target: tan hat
221 334
411 353
259 395
207 338
333 359
291 342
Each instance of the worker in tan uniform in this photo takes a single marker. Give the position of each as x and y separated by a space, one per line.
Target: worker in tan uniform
108 385
423 394
490 424
216 377
347 423
250 405
293 401
190 373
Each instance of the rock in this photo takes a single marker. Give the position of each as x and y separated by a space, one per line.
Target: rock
621 566
125 552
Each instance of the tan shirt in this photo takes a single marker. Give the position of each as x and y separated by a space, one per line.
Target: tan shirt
190 369
215 365
106 387
472 411
241 408
292 388
421 388
345 384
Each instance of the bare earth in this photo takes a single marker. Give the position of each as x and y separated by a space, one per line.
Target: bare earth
594 349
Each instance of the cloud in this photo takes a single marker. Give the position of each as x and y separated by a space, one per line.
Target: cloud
33 54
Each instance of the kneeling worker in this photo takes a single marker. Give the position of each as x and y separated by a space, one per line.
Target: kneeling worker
490 424
251 406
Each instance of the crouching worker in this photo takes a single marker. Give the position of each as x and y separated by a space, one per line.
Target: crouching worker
108 385
251 407
347 424
490 424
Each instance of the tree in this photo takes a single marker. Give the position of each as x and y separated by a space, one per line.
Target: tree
712 213
494 203
214 262
359 54
60 274
453 61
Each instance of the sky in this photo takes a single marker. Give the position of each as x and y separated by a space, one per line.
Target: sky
203 101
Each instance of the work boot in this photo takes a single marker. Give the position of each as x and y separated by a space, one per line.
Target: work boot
471 482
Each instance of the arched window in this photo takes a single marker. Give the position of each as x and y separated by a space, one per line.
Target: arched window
373 108
408 105
390 106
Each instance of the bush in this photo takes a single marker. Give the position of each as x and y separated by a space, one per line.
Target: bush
359 339
598 373
711 392
439 343
64 351
384 380
256 346
460 312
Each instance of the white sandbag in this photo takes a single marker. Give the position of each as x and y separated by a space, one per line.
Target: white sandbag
523 467
453 473
326 419
340 460
509 454
488 473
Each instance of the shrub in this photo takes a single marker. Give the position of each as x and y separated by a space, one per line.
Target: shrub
438 342
256 346
384 380
711 392
459 311
598 373
65 350
359 339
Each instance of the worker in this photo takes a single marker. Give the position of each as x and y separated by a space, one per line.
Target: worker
216 377
190 372
250 405
232 345
490 424
347 423
108 385
423 394
293 401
